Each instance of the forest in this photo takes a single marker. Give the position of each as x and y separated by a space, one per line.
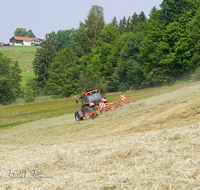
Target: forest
132 53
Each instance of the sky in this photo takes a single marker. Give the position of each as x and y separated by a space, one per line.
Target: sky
45 16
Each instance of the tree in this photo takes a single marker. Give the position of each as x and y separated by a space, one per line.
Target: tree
171 49
64 74
28 94
44 56
114 22
113 58
133 22
9 80
96 71
30 34
63 38
153 10
153 48
20 32
127 74
128 24
90 30
104 46
122 25
116 50
142 17
172 10
23 33
90 75
186 52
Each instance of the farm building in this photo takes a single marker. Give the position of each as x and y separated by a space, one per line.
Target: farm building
17 40
6 44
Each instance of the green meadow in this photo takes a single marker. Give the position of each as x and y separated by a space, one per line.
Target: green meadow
26 76
23 54
47 107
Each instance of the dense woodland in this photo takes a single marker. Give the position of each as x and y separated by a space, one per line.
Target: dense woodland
132 53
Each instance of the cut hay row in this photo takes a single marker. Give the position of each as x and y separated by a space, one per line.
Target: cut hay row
163 159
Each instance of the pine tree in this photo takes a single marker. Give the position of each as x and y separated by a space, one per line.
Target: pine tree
122 25
128 24
134 22
43 59
114 22
142 17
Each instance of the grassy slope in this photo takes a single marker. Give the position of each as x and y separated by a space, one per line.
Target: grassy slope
24 55
45 107
150 144
26 76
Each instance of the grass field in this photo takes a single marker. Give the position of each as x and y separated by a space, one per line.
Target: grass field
46 107
152 143
26 76
24 55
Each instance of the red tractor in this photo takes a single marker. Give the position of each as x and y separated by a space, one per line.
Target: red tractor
93 104
90 104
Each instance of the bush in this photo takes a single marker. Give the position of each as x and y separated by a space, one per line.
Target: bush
28 94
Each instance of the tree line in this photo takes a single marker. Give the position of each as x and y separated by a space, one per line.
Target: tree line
136 52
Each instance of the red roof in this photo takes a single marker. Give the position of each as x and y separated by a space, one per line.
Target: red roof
23 38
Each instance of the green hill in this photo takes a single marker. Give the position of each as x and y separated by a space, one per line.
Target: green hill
152 143
24 54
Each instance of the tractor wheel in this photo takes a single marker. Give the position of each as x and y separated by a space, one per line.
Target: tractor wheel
78 117
87 110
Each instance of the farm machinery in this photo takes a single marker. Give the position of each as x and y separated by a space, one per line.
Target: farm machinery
93 104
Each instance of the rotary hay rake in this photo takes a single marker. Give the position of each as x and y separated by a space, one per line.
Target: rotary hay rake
108 106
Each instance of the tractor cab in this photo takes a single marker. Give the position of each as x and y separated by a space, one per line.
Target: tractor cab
91 96
90 103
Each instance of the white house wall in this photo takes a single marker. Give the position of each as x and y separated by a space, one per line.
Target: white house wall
27 43
16 44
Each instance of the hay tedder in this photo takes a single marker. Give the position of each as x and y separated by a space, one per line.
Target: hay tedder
93 104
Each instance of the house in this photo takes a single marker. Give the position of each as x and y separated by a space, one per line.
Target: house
37 41
6 44
17 40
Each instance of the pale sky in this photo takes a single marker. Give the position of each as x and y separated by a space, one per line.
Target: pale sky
45 16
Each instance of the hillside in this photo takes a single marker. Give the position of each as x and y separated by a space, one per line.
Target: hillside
24 55
150 144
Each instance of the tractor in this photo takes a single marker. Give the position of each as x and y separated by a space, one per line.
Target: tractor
94 104
91 100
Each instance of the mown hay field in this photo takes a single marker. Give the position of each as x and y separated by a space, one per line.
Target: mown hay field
153 143
46 107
